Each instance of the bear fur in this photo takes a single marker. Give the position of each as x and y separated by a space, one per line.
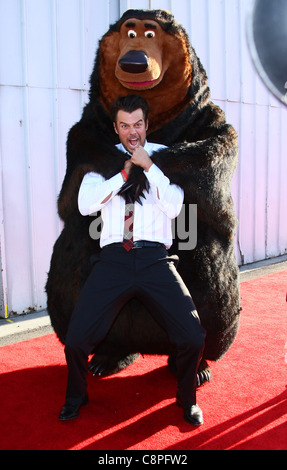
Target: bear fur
201 158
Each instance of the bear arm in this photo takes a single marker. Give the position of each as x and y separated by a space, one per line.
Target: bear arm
204 171
68 197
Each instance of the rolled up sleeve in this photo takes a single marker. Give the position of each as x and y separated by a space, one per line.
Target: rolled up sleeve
95 189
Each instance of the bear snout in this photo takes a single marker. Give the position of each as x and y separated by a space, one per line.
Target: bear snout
134 62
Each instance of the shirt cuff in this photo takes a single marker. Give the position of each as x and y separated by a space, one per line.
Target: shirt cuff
116 182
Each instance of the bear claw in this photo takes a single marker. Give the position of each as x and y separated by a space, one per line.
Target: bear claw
203 377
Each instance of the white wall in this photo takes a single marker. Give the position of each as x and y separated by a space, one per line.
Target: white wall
47 50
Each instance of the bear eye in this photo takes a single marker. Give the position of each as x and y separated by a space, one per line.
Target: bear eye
132 34
149 34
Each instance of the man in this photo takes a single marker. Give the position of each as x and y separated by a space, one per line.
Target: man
133 262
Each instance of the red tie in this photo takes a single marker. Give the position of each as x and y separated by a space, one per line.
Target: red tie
128 226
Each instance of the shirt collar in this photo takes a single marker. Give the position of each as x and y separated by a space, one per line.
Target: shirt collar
122 148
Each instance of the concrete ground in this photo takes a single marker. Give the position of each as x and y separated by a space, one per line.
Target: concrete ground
22 327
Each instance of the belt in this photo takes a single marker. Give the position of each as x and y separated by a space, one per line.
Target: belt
139 244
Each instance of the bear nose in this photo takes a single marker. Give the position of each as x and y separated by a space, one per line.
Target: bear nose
134 62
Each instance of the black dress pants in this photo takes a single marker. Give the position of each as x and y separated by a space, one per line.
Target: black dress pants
117 276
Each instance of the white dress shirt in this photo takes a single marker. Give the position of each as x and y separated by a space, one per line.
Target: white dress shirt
152 219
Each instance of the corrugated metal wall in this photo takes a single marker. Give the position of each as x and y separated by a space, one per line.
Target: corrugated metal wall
47 49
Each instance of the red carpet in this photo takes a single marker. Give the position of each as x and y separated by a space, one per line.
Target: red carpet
244 406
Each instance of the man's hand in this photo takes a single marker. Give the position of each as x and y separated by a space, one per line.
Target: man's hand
141 158
127 166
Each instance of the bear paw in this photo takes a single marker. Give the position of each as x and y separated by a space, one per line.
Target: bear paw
203 374
104 365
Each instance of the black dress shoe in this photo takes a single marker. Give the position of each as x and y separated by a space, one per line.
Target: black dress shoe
71 411
192 413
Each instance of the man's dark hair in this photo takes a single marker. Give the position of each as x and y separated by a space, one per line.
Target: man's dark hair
129 104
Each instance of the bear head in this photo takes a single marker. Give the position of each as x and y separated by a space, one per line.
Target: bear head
148 53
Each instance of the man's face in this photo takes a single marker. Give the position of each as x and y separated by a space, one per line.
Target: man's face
131 129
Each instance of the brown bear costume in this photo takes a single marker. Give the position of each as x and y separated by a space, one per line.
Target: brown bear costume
148 53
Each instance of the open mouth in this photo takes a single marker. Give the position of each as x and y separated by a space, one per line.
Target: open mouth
140 84
133 143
